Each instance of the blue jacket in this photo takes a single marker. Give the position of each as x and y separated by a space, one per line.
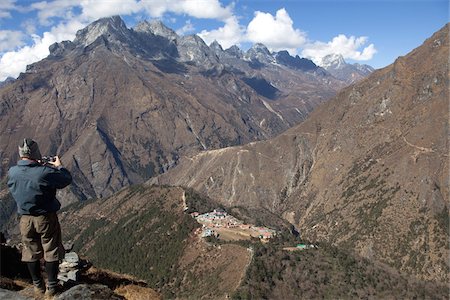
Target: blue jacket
33 187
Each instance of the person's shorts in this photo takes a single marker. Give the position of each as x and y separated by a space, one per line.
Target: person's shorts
41 238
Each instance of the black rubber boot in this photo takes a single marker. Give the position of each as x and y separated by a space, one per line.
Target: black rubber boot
35 271
52 269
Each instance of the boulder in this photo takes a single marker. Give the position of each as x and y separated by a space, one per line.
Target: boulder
11 295
89 292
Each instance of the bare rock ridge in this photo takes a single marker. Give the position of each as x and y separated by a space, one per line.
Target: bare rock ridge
367 171
114 28
284 58
123 104
156 28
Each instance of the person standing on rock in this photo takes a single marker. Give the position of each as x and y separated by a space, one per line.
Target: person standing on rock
33 184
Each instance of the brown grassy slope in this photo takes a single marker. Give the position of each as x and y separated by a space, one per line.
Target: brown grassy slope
379 183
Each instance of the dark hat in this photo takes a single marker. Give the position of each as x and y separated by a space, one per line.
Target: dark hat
29 149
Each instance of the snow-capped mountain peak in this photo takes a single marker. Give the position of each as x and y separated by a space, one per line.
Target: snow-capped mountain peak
335 61
339 68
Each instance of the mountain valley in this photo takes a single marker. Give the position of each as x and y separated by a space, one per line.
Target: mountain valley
158 128
367 171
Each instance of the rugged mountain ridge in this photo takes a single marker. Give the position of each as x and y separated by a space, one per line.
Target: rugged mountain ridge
366 171
123 104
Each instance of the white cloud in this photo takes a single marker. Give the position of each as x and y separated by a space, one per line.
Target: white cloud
348 47
230 34
5 7
203 9
277 33
94 9
211 9
187 28
67 31
14 62
10 39
57 8
29 26
5 14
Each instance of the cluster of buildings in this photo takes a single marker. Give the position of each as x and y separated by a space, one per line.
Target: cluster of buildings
219 218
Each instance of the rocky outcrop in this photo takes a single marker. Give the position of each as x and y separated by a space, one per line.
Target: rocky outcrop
157 28
235 52
112 28
259 53
12 295
89 292
194 50
11 265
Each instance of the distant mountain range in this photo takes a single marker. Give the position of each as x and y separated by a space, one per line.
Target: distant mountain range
122 105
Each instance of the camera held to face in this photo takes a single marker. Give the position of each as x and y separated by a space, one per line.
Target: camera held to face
48 159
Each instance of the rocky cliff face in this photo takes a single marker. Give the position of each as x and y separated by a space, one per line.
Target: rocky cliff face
122 105
259 53
296 62
367 171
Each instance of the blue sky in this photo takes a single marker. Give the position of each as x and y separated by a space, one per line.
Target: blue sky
374 32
